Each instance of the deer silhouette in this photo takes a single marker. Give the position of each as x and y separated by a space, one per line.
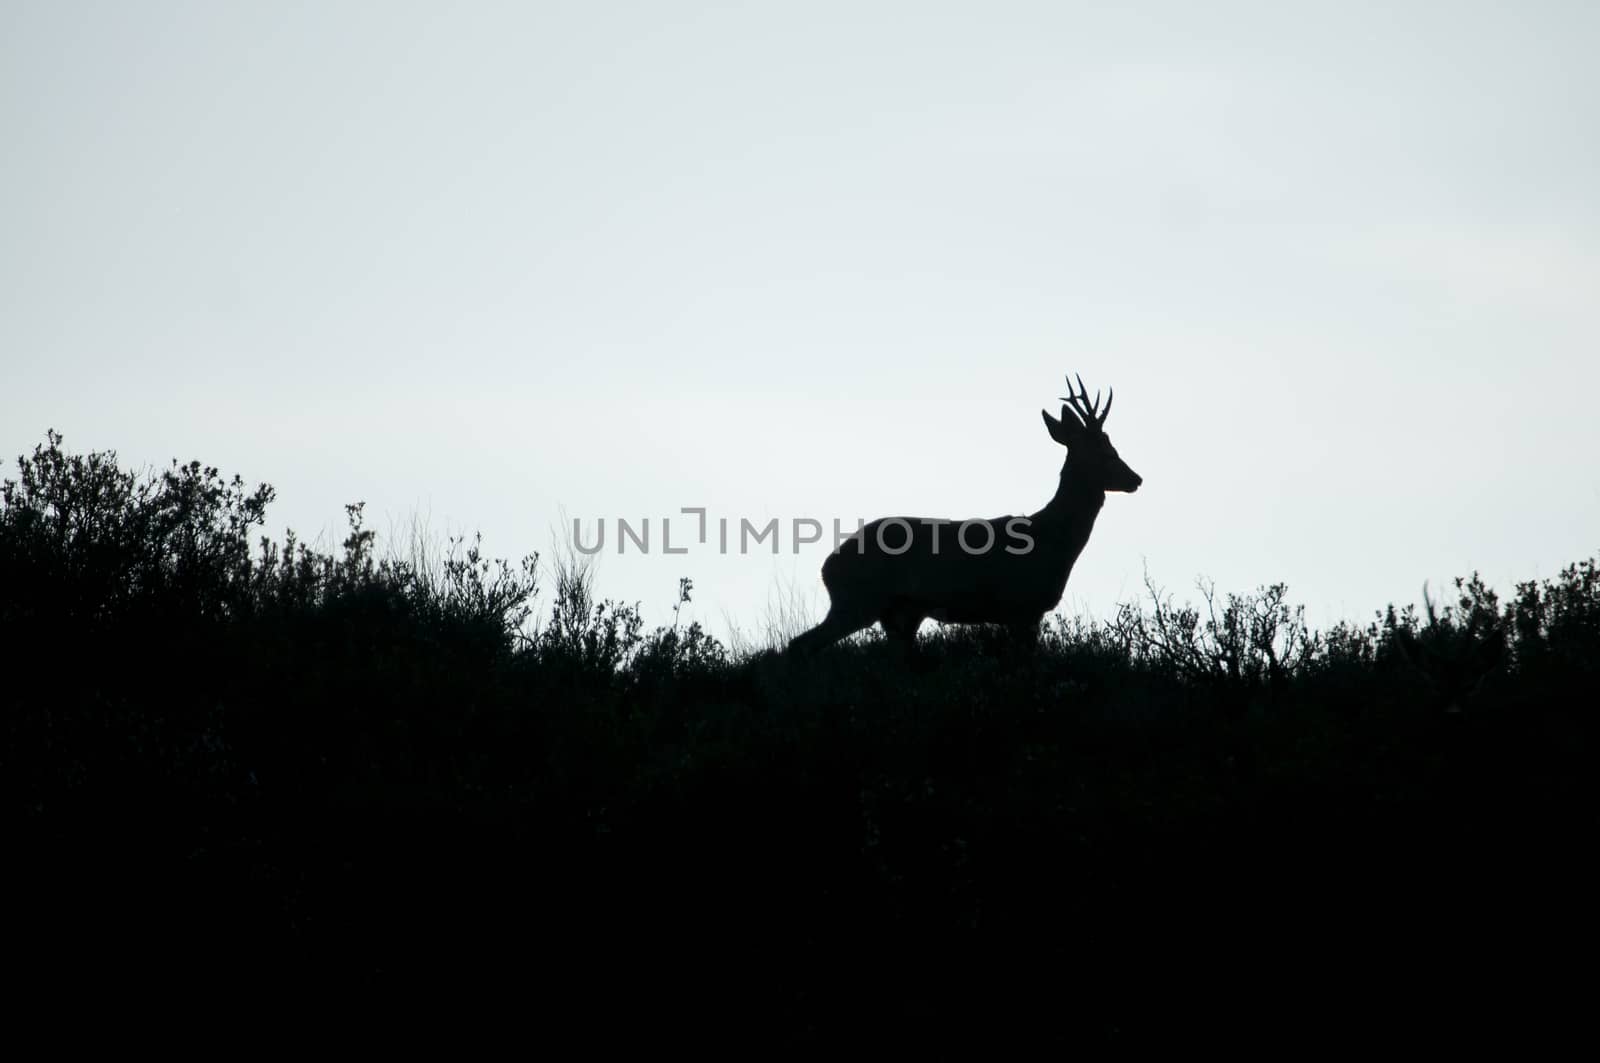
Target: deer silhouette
1010 570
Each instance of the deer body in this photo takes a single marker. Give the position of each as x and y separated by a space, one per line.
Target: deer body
1010 570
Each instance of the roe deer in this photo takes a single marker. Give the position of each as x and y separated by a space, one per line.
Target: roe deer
1011 570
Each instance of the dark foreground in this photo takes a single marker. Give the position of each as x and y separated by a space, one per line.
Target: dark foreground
258 770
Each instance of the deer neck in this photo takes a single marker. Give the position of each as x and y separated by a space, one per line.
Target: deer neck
1070 513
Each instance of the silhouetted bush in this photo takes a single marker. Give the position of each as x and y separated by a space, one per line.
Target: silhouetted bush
276 763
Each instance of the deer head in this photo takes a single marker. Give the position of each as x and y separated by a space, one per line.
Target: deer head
1090 455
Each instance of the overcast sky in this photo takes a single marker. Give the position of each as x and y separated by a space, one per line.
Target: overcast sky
496 266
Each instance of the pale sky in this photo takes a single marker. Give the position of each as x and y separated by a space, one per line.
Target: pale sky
495 266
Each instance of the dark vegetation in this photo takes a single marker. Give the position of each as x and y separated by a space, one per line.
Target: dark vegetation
255 765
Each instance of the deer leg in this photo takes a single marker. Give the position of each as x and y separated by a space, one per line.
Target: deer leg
901 625
1023 635
838 624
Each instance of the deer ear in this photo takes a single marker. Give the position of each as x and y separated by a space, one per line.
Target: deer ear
1061 431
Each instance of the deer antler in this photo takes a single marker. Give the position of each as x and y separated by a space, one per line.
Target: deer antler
1081 407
